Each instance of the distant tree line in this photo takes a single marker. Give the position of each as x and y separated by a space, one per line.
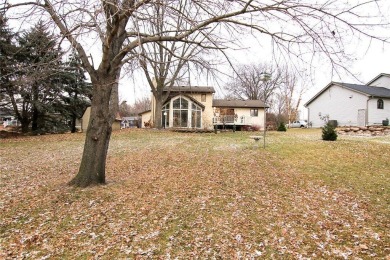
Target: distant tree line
139 106
281 90
41 90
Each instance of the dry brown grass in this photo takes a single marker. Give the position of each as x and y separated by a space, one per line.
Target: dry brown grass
197 196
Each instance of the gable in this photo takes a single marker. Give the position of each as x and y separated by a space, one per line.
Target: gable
190 97
382 80
365 90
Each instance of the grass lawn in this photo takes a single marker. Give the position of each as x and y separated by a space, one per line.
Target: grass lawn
178 195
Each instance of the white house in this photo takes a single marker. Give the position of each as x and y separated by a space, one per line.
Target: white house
352 104
194 107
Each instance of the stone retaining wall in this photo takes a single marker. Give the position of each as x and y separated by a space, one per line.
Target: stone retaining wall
364 130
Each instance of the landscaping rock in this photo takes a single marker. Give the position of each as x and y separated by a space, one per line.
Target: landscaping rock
366 131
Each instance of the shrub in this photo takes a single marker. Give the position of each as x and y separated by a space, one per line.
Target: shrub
329 132
282 127
256 128
250 128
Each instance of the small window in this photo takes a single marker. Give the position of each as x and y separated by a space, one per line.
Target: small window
254 112
380 103
203 98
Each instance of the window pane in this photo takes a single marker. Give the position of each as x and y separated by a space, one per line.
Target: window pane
184 118
166 106
176 103
165 118
193 118
184 104
198 119
176 118
195 107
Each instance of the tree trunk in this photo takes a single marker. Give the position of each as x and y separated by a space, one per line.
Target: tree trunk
157 113
34 119
93 163
35 112
25 124
73 123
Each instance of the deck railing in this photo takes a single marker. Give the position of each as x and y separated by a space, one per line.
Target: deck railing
231 119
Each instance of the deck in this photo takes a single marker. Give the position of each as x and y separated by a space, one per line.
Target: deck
232 120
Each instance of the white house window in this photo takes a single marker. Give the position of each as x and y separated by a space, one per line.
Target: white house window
180 112
380 104
254 112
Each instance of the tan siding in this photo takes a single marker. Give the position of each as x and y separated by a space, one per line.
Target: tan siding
145 118
85 119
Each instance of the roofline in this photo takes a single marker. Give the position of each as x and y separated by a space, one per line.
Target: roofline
328 86
186 96
191 89
264 106
377 77
143 112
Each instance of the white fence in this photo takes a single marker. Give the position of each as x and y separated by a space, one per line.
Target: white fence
231 119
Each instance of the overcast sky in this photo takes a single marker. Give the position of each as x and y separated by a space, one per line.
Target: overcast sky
367 60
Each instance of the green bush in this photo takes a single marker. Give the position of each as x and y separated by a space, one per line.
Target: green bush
329 132
282 127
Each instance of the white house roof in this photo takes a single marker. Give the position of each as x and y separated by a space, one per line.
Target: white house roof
238 103
377 77
362 89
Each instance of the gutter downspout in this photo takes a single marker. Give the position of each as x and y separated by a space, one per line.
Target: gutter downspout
369 98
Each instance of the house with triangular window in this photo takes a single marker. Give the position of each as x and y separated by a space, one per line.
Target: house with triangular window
194 107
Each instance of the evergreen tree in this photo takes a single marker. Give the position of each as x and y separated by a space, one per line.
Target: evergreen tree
282 127
329 132
7 63
76 92
39 78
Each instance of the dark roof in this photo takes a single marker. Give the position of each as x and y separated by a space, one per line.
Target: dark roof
369 90
191 89
362 89
238 103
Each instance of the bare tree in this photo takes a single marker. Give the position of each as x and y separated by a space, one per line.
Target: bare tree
280 91
140 105
249 83
124 109
166 63
317 27
288 96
